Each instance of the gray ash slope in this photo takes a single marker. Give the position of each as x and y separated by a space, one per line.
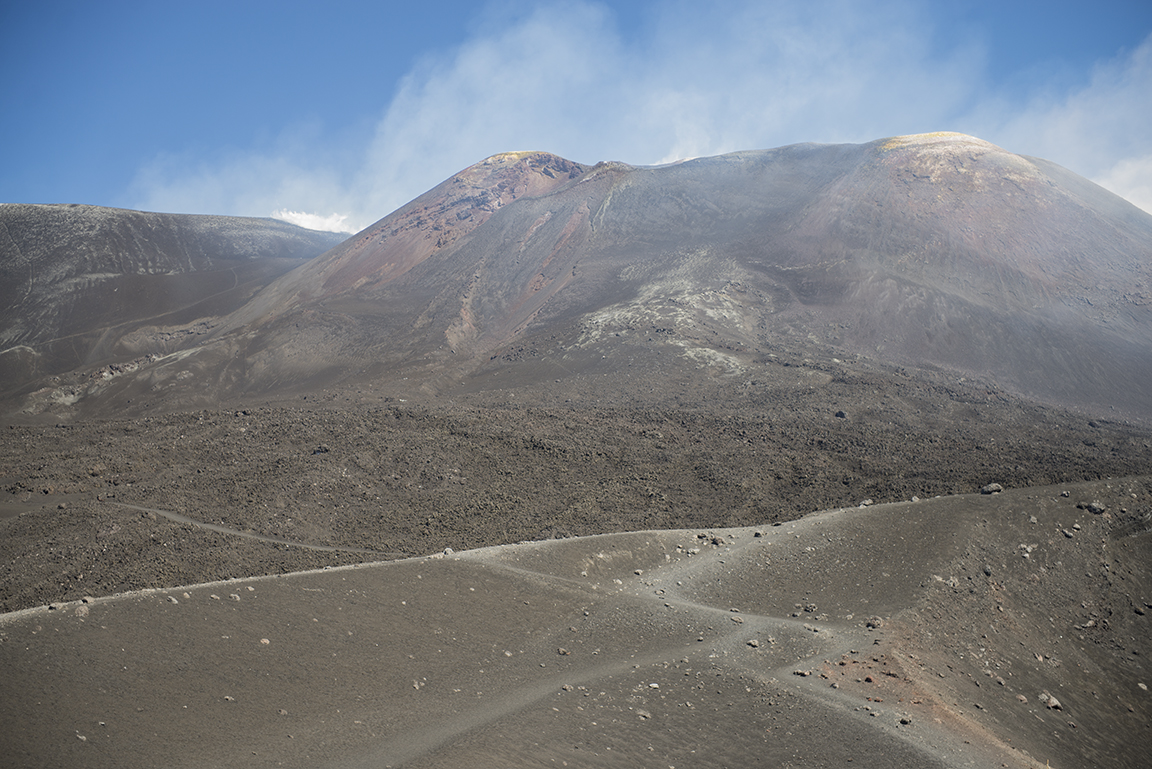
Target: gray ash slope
75 280
939 253
1004 630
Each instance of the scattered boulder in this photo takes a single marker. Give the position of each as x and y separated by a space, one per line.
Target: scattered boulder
991 488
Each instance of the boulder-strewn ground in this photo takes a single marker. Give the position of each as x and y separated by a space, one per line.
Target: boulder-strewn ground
410 479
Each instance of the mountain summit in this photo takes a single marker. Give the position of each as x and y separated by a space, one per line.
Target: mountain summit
939 252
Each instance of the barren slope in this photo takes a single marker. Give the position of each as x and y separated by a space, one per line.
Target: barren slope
909 634
537 349
936 252
76 281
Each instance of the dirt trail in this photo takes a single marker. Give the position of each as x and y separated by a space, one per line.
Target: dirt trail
690 647
176 517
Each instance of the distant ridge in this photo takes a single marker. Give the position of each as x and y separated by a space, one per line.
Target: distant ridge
75 278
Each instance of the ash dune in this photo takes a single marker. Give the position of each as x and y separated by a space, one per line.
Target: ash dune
596 384
911 634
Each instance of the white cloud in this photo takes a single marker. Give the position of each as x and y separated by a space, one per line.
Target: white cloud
1131 178
241 184
330 223
1102 131
704 82
694 81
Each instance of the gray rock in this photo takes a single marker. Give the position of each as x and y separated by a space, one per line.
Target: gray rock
992 488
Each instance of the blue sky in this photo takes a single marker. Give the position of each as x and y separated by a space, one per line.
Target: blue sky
334 114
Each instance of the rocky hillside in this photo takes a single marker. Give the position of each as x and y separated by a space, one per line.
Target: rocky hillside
74 280
939 253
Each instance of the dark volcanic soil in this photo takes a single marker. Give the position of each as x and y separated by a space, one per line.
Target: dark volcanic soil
990 630
404 478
